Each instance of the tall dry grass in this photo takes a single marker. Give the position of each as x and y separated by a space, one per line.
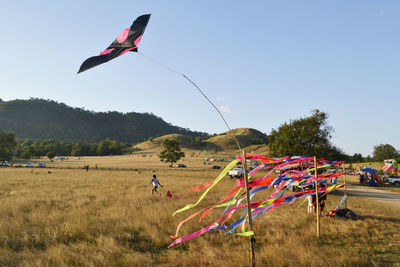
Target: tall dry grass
110 218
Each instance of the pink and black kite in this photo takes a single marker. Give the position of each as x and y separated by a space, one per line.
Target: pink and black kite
127 41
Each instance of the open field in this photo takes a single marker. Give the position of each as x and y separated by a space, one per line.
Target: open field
376 165
139 161
109 218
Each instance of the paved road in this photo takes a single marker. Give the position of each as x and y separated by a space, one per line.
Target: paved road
375 194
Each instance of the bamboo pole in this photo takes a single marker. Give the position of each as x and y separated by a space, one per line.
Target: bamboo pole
252 238
345 186
316 194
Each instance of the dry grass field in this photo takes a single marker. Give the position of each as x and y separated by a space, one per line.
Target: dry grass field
376 165
139 161
105 217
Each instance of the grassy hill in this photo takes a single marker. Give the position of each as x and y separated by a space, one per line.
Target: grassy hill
250 139
186 142
257 149
47 119
245 136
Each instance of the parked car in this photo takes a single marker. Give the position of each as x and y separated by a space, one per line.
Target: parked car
4 164
236 172
392 179
216 167
41 165
29 165
181 165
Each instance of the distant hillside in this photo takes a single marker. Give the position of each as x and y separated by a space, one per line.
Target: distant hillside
245 136
47 119
188 142
250 139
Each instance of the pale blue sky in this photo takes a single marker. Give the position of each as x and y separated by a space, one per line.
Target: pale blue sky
266 62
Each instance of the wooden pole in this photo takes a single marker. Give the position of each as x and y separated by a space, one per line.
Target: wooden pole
316 193
252 238
345 186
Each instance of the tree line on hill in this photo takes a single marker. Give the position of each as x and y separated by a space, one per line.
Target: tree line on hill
46 119
7 145
27 148
309 136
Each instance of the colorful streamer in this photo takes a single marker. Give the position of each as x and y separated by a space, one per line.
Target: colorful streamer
219 178
290 171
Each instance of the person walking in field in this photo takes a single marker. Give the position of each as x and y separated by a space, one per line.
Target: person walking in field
155 183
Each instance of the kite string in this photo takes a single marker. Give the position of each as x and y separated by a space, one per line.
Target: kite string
198 88
159 63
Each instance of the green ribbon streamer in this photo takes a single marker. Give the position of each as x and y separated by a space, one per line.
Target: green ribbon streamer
231 202
266 203
319 167
244 225
219 178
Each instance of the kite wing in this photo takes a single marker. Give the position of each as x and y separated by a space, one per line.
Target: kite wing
127 41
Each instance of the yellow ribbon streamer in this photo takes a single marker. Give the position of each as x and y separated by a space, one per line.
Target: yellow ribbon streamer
219 178
249 233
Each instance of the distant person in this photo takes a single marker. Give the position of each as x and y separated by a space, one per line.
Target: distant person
310 204
365 178
155 183
321 201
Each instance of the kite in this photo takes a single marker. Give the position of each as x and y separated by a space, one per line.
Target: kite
127 41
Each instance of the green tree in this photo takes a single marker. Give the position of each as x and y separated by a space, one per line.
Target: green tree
77 150
7 145
26 154
103 148
172 152
93 149
382 152
357 157
86 149
115 148
305 136
50 155
368 159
